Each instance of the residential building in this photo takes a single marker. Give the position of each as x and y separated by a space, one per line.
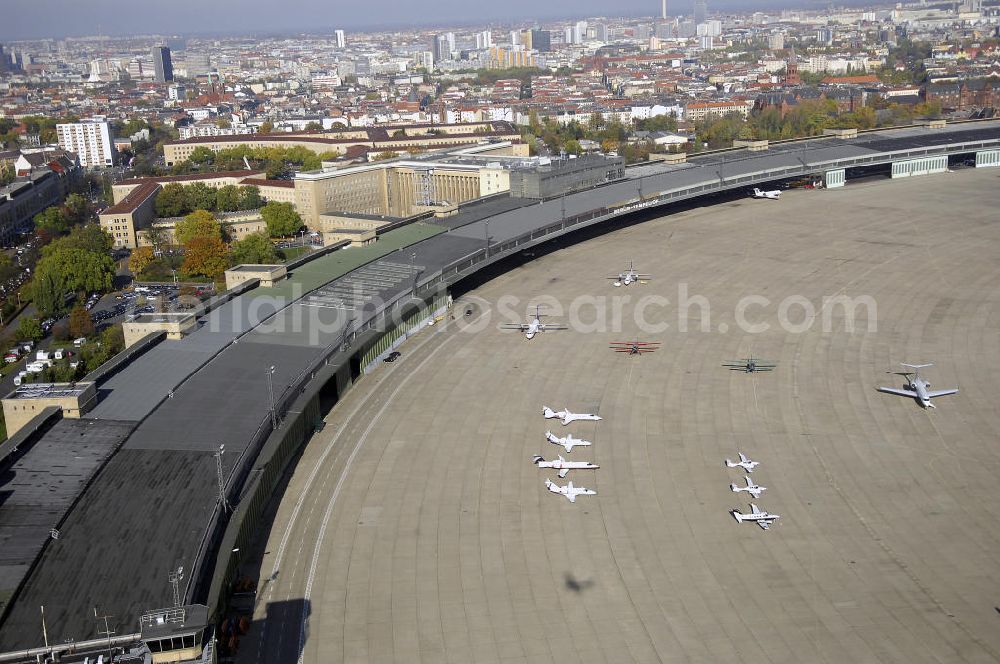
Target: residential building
91 140
340 38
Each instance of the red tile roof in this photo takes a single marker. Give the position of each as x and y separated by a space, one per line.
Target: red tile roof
135 198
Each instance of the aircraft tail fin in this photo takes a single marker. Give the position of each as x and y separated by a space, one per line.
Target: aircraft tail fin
734 488
730 464
537 459
737 516
917 366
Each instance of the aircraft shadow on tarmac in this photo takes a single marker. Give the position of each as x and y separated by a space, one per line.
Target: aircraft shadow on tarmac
577 586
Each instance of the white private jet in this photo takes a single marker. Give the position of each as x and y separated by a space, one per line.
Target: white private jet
750 488
916 387
565 416
774 194
567 441
564 466
763 519
629 276
744 463
570 491
534 327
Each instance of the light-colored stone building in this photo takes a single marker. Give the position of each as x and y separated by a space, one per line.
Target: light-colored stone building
268 275
27 401
176 325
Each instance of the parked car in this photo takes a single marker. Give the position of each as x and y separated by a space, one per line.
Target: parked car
393 356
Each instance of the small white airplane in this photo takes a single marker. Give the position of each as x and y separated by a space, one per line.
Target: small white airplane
534 327
629 276
565 416
916 388
744 463
567 441
763 519
750 488
570 491
564 466
774 194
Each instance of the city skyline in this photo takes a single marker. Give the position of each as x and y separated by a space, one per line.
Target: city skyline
52 19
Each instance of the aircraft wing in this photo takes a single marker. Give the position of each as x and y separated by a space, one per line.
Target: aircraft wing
548 326
764 525
942 393
514 326
900 392
754 509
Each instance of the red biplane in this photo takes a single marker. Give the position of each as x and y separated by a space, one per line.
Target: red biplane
634 347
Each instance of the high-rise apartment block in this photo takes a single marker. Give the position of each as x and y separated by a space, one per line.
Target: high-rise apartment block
700 11
162 66
91 139
340 38
541 40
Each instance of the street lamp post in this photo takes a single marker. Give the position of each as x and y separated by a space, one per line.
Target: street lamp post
487 238
270 393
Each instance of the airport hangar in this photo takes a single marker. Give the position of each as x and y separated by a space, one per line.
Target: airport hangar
146 504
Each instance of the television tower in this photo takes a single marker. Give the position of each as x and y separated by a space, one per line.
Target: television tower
664 9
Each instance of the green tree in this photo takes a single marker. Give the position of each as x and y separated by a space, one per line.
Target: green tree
157 238
90 237
29 329
200 196
281 218
80 324
255 248
172 201
266 128
202 155
52 220
228 198
314 126
77 208
205 256
199 223
69 270
250 198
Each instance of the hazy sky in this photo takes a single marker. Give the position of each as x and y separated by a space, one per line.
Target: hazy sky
32 19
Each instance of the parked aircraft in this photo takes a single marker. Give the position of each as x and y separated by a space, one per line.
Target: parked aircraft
916 387
774 194
634 347
763 519
565 416
744 463
567 441
750 365
750 488
629 276
534 327
564 466
570 491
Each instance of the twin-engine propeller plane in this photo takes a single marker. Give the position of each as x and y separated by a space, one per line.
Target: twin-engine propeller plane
534 327
745 463
628 277
763 519
750 488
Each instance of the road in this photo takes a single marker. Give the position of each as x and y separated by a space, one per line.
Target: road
415 527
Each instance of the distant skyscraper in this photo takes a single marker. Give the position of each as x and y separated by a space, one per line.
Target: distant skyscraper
91 140
541 40
776 42
700 11
442 51
341 39
3 60
162 66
